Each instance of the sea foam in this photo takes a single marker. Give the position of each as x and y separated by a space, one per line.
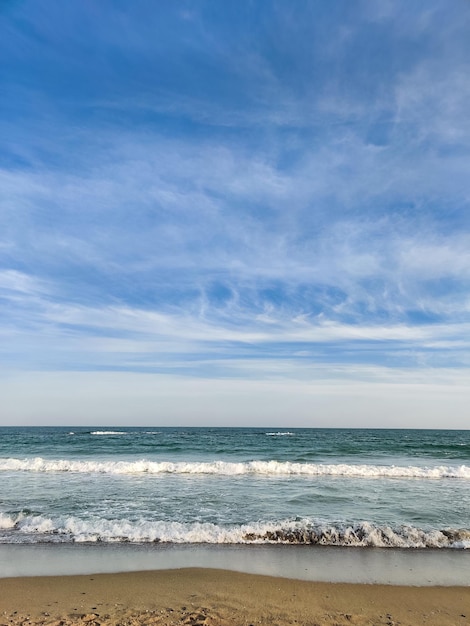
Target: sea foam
258 468
69 529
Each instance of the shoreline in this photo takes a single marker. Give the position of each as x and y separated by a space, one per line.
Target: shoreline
386 566
199 596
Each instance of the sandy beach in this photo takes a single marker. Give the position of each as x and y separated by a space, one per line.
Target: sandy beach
196 596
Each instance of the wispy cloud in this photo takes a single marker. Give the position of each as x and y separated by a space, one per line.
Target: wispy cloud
216 194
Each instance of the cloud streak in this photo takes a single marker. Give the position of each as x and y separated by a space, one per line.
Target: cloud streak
257 190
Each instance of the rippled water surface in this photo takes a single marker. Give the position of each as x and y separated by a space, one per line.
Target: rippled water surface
394 488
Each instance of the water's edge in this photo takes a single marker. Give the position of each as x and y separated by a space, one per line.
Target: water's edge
315 563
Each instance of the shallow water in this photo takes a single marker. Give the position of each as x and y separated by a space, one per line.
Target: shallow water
328 564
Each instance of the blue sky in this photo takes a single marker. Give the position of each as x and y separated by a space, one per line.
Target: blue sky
238 212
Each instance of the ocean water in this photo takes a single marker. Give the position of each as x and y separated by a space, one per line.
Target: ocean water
252 486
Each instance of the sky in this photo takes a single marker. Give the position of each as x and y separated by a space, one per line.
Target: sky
248 212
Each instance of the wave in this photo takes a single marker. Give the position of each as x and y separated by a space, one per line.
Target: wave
224 468
108 432
30 528
280 434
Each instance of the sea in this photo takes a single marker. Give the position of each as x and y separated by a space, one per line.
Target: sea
361 489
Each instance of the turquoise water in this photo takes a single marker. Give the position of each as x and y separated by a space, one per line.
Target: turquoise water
362 488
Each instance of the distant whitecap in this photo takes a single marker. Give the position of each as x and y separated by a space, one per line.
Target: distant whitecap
108 432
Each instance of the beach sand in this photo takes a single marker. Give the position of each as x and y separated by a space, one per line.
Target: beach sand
214 597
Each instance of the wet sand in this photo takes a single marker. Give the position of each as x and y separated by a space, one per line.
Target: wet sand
195 596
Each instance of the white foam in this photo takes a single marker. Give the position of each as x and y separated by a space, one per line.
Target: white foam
8 521
362 534
258 468
108 432
280 434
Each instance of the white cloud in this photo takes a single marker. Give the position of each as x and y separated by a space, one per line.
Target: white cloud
336 228
436 257
432 103
14 281
230 339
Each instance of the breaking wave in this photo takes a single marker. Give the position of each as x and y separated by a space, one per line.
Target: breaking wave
259 468
108 432
27 527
